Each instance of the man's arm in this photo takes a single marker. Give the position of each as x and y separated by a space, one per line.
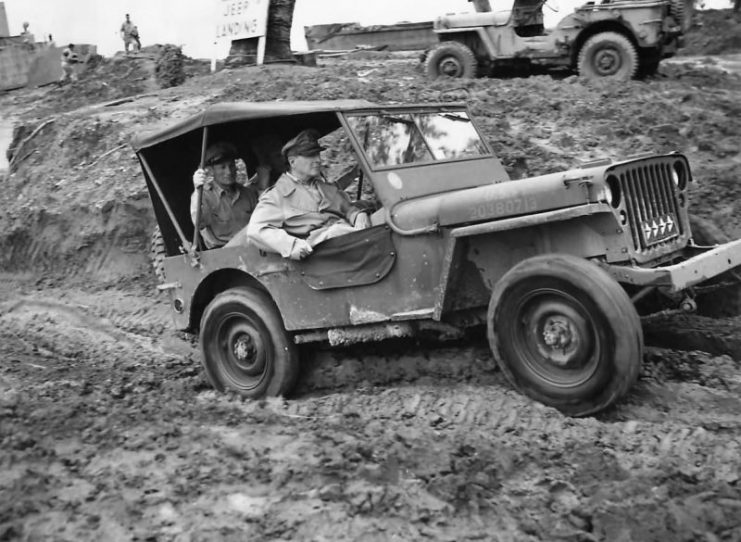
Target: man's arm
208 237
341 204
266 231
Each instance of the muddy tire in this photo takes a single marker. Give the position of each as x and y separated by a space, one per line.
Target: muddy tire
157 254
725 301
565 333
245 347
451 59
608 54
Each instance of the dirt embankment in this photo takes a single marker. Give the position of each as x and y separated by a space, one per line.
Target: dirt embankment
713 32
107 430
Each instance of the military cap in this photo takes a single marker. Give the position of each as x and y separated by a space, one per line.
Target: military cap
219 152
304 144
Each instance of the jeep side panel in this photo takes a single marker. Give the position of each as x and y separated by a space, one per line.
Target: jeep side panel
408 291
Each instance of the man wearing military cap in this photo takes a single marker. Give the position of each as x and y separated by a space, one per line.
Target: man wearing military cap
226 206
302 209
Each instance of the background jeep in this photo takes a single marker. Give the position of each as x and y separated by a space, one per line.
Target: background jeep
614 38
556 266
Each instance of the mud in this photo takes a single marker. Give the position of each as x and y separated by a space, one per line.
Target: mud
108 430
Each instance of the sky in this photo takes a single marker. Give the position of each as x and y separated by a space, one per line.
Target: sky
192 24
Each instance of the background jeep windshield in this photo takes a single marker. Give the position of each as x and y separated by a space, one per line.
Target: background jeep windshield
404 138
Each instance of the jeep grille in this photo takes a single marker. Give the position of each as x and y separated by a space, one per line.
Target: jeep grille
651 204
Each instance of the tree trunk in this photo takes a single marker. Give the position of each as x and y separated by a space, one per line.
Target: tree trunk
737 6
481 5
277 42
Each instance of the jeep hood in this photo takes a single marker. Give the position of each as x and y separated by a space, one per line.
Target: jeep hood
502 200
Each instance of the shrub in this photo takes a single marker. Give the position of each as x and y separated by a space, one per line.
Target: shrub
169 67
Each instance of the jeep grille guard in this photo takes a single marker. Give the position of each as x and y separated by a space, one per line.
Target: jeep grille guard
652 201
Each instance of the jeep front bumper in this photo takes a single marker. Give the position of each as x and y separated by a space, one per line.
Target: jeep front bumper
677 277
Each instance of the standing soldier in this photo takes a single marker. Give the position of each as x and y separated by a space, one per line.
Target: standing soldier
130 34
69 59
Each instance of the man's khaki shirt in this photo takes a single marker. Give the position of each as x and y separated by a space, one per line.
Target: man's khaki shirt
127 28
223 214
293 209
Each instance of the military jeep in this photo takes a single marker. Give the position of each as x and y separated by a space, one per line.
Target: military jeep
554 265
619 39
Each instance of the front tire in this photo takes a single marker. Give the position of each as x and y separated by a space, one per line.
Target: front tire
245 347
608 54
565 333
452 59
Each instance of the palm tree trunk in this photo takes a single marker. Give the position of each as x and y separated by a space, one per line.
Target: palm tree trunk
481 5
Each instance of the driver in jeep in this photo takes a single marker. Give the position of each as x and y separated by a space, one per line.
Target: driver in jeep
302 209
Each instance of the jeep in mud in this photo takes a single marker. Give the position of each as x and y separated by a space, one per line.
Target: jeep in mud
557 267
614 38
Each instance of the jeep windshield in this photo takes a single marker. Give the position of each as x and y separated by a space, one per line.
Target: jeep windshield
394 139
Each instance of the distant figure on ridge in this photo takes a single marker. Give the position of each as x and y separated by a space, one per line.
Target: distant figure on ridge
130 35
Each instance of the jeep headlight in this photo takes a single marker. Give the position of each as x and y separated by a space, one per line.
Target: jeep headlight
612 191
679 174
605 194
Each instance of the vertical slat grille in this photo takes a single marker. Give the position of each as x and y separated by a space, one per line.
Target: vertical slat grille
651 203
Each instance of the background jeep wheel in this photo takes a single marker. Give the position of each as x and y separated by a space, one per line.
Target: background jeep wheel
452 59
565 333
724 301
608 54
245 346
157 254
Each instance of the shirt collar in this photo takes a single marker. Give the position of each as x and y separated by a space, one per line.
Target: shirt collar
221 191
296 180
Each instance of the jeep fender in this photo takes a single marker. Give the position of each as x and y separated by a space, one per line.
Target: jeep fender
596 28
215 283
458 34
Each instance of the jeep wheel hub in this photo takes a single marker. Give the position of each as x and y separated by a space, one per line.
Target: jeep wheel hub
450 66
607 61
243 348
560 335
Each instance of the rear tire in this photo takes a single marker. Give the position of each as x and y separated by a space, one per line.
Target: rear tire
245 347
608 54
451 59
565 333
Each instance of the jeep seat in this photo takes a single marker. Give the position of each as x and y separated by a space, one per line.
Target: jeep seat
467 20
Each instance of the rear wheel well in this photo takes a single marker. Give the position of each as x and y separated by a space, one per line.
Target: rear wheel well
606 26
217 282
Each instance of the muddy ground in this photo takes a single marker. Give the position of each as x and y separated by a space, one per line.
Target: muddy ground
109 432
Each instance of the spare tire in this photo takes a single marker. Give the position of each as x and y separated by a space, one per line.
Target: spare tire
724 301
